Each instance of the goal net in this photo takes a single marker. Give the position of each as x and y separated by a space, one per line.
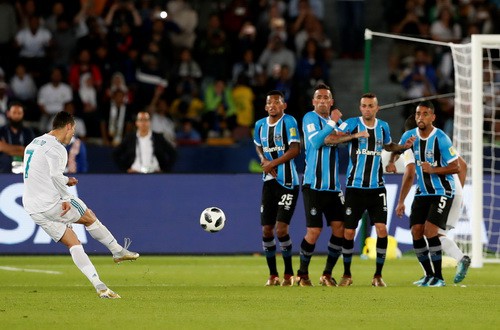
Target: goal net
477 137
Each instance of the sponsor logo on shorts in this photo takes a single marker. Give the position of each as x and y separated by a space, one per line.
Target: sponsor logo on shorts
348 211
314 211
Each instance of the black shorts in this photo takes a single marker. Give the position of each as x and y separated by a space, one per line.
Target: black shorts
278 203
358 200
318 203
434 209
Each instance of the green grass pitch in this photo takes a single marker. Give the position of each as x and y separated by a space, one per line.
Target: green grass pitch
227 292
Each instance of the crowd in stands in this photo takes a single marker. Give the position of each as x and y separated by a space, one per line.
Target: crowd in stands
107 60
426 69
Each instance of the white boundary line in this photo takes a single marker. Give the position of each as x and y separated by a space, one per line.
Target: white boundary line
14 269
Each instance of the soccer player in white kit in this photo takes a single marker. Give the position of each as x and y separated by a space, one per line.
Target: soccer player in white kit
48 202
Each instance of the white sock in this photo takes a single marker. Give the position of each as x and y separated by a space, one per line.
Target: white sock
450 248
82 261
100 233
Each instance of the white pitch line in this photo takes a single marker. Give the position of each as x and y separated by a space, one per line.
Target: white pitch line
14 269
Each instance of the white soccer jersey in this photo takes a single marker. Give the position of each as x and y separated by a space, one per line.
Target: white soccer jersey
45 159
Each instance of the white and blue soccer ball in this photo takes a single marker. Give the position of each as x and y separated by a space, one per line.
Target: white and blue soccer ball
212 219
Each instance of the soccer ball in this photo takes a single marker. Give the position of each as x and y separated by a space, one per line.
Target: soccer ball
212 219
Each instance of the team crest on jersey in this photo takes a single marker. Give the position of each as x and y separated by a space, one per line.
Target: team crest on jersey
314 211
278 137
311 128
429 154
293 131
261 208
348 211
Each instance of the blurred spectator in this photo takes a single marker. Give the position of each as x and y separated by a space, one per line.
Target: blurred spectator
122 12
186 19
248 67
88 105
187 105
187 134
116 119
445 28
219 106
8 29
186 71
22 85
235 14
57 12
118 82
247 38
144 151
304 13
4 101
274 11
420 80
80 127
216 56
296 7
313 29
33 42
412 24
51 98
14 137
161 122
96 35
65 41
23 89
243 97
275 56
82 66
351 22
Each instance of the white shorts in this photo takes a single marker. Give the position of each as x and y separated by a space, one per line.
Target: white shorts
54 224
454 215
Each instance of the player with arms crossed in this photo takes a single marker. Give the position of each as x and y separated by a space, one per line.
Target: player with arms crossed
277 143
365 189
48 202
321 186
448 245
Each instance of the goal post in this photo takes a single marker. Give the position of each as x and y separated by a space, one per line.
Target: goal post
476 135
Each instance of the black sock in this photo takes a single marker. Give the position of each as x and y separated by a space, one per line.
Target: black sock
286 252
422 252
306 252
381 253
347 251
269 246
334 253
436 255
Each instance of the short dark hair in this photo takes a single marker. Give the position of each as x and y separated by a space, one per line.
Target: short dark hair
410 122
61 119
276 92
426 104
369 96
323 86
16 104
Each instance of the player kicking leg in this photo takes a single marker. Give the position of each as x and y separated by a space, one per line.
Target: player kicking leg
60 230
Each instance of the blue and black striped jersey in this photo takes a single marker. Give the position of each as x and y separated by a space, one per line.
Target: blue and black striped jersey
437 149
365 161
275 140
322 166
